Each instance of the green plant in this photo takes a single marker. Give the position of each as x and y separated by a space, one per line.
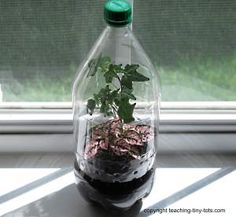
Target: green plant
114 98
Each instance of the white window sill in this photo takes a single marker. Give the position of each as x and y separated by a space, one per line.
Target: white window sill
47 127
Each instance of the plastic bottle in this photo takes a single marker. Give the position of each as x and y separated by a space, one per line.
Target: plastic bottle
116 115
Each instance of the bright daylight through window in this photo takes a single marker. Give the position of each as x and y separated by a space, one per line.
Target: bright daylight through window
192 43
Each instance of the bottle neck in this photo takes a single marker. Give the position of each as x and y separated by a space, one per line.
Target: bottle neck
119 30
120 43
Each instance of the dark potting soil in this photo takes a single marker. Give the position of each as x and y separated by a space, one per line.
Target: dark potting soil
116 189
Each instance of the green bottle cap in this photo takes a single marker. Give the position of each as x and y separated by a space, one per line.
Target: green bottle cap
117 12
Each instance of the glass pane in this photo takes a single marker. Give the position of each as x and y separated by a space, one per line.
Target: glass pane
192 43
41 45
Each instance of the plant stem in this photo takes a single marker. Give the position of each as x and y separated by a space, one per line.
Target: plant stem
114 109
118 79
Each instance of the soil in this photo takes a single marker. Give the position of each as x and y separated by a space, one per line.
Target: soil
111 194
110 153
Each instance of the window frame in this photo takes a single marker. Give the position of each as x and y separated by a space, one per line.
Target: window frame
184 126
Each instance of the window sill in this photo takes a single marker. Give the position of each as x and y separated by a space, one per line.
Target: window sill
193 127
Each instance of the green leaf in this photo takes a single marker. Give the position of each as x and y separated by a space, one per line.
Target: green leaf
125 81
94 64
136 76
116 68
109 75
125 110
91 104
112 72
117 100
92 67
133 75
126 92
105 99
131 68
105 109
114 94
96 98
104 63
102 94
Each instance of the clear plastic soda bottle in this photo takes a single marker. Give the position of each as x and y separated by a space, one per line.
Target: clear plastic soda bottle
116 115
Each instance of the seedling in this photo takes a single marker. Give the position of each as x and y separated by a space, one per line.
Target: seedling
114 98
117 137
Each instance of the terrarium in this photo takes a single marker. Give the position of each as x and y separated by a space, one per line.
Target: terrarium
116 115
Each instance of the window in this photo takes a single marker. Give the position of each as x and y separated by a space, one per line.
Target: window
192 43
42 43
